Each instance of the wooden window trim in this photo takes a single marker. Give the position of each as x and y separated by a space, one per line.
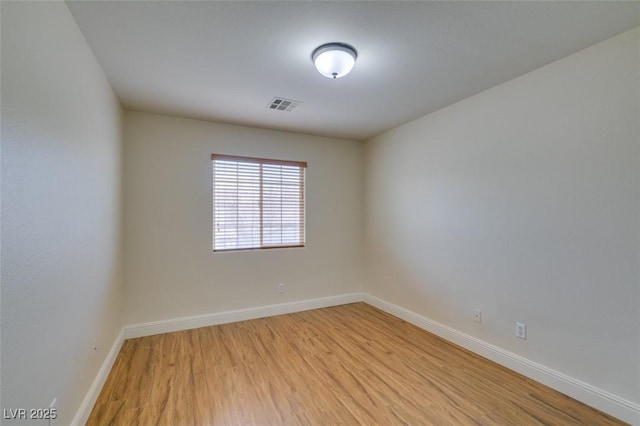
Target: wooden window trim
259 160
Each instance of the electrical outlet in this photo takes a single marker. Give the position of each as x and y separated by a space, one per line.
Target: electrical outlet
53 412
477 315
281 288
521 330
95 344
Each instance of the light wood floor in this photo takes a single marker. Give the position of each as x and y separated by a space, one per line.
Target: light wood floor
350 364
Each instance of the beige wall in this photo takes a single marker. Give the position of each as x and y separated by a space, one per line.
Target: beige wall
170 268
523 201
61 209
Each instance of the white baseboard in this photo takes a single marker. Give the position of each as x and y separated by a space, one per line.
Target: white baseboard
82 415
186 323
167 326
609 403
602 400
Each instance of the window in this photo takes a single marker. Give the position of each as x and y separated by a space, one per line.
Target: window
257 203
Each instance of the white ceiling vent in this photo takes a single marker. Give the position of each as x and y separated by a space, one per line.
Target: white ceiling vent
282 104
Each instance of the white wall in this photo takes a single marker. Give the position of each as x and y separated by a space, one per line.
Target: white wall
61 206
170 268
524 201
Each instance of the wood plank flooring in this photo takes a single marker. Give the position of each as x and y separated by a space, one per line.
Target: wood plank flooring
345 365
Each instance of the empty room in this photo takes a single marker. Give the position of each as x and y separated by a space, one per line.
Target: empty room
320 213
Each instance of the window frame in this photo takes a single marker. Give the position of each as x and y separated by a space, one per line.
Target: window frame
302 165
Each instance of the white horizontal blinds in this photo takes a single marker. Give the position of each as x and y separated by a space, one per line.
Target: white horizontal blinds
282 204
236 205
257 203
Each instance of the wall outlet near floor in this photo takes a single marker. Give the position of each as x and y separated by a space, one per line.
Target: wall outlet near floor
521 330
477 316
281 288
53 412
94 344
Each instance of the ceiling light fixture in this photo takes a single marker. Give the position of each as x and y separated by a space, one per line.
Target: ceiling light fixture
334 60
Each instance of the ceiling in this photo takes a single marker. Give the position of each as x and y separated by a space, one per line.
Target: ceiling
226 61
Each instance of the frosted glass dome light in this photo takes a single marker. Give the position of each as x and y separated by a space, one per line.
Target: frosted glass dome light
334 60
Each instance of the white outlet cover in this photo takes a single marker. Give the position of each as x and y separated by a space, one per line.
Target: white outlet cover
477 315
521 330
53 405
